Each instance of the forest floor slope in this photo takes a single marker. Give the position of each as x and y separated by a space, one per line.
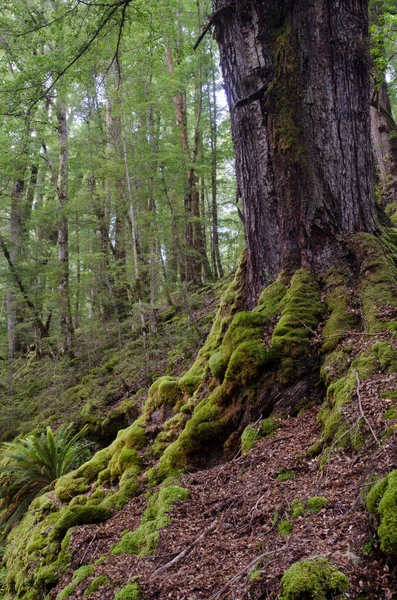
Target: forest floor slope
241 507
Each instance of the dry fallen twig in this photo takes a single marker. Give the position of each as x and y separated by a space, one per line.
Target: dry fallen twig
186 551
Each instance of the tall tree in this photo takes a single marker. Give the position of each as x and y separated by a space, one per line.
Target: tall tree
301 128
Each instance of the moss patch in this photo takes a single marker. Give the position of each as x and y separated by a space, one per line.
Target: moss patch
317 503
382 504
130 591
144 540
316 580
95 584
79 515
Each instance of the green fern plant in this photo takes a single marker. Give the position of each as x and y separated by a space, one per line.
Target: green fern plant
31 465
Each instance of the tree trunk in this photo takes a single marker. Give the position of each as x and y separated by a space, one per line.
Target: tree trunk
16 224
297 80
65 315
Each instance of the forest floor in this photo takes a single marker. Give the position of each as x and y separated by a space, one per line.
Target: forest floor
229 528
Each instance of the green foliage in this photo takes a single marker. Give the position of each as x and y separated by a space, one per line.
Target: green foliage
144 540
314 580
381 503
130 591
31 465
248 438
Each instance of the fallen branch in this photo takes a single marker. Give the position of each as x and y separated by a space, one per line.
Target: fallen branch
358 390
186 551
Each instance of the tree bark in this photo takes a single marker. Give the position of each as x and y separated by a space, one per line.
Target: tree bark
16 224
298 84
65 314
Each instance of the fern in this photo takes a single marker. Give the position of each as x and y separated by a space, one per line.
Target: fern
30 466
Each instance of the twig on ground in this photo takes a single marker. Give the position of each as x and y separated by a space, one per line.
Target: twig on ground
186 551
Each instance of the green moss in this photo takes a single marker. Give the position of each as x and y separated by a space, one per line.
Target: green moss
368 547
317 503
338 300
285 475
102 559
189 384
245 327
391 412
378 277
165 390
95 584
269 300
217 366
130 591
298 508
78 515
205 425
94 466
315 449
67 487
144 540
382 504
301 310
313 579
82 573
255 574
66 592
248 362
269 426
248 438
285 528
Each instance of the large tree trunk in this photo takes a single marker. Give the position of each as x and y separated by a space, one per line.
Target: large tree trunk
297 79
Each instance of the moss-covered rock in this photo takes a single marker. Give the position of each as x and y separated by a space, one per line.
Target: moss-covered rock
382 504
68 487
313 580
189 384
144 540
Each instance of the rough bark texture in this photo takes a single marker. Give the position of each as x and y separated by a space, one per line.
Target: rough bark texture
297 80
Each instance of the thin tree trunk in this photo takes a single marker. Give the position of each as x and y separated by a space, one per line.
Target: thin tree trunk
65 314
215 254
13 313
